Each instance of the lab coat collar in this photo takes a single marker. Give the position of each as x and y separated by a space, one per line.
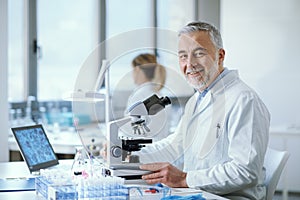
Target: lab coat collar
217 89
224 82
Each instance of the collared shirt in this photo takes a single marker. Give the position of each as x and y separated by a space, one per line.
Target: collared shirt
204 92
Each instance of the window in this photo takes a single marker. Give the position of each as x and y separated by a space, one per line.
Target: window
16 51
173 14
134 32
66 38
137 15
66 34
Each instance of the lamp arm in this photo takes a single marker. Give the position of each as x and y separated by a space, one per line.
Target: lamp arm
101 74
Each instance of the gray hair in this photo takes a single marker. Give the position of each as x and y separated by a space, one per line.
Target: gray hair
213 32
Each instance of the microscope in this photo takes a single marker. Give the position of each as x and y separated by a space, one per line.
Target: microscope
119 159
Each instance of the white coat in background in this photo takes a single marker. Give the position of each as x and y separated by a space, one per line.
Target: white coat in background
222 144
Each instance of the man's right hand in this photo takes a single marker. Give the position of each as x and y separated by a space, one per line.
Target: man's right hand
165 173
103 151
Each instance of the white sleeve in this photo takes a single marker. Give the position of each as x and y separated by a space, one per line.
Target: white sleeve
168 149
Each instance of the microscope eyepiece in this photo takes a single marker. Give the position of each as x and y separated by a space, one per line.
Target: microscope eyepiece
154 104
165 100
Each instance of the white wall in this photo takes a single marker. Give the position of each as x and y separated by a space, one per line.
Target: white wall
3 82
262 42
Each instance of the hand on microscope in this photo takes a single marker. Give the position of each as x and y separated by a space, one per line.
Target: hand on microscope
165 173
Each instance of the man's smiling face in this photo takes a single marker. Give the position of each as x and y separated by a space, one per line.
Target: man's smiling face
199 60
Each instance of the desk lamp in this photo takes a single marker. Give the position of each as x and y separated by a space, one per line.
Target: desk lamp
94 95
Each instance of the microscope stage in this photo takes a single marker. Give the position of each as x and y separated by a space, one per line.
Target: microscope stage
128 171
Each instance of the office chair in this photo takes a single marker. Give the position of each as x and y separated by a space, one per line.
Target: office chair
274 163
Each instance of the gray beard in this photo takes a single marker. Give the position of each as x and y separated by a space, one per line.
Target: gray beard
196 84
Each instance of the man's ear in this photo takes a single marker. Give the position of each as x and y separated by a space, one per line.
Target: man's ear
221 56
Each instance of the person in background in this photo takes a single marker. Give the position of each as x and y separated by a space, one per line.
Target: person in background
149 77
223 134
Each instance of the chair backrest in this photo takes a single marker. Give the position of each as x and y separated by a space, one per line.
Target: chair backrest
274 163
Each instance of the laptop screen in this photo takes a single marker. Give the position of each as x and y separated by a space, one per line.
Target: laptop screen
35 147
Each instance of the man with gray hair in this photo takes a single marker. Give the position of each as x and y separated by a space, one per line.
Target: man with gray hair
220 143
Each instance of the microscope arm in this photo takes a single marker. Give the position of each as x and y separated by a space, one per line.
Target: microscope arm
114 145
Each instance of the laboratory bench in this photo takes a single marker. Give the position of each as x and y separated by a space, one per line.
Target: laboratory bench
11 171
65 141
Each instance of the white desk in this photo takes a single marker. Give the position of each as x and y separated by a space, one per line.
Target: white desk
19 169
32 196
15 170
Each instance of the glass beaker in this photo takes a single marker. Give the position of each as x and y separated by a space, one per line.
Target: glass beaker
82 164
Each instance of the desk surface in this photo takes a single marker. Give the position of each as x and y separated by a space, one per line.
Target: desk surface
285 130
13 170
32 195
19 169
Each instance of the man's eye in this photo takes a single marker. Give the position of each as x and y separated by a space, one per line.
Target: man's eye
183 57
199 54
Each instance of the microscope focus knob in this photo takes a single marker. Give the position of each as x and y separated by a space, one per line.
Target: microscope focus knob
116 151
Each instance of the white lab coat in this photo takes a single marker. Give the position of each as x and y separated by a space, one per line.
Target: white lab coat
158 124
223 143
